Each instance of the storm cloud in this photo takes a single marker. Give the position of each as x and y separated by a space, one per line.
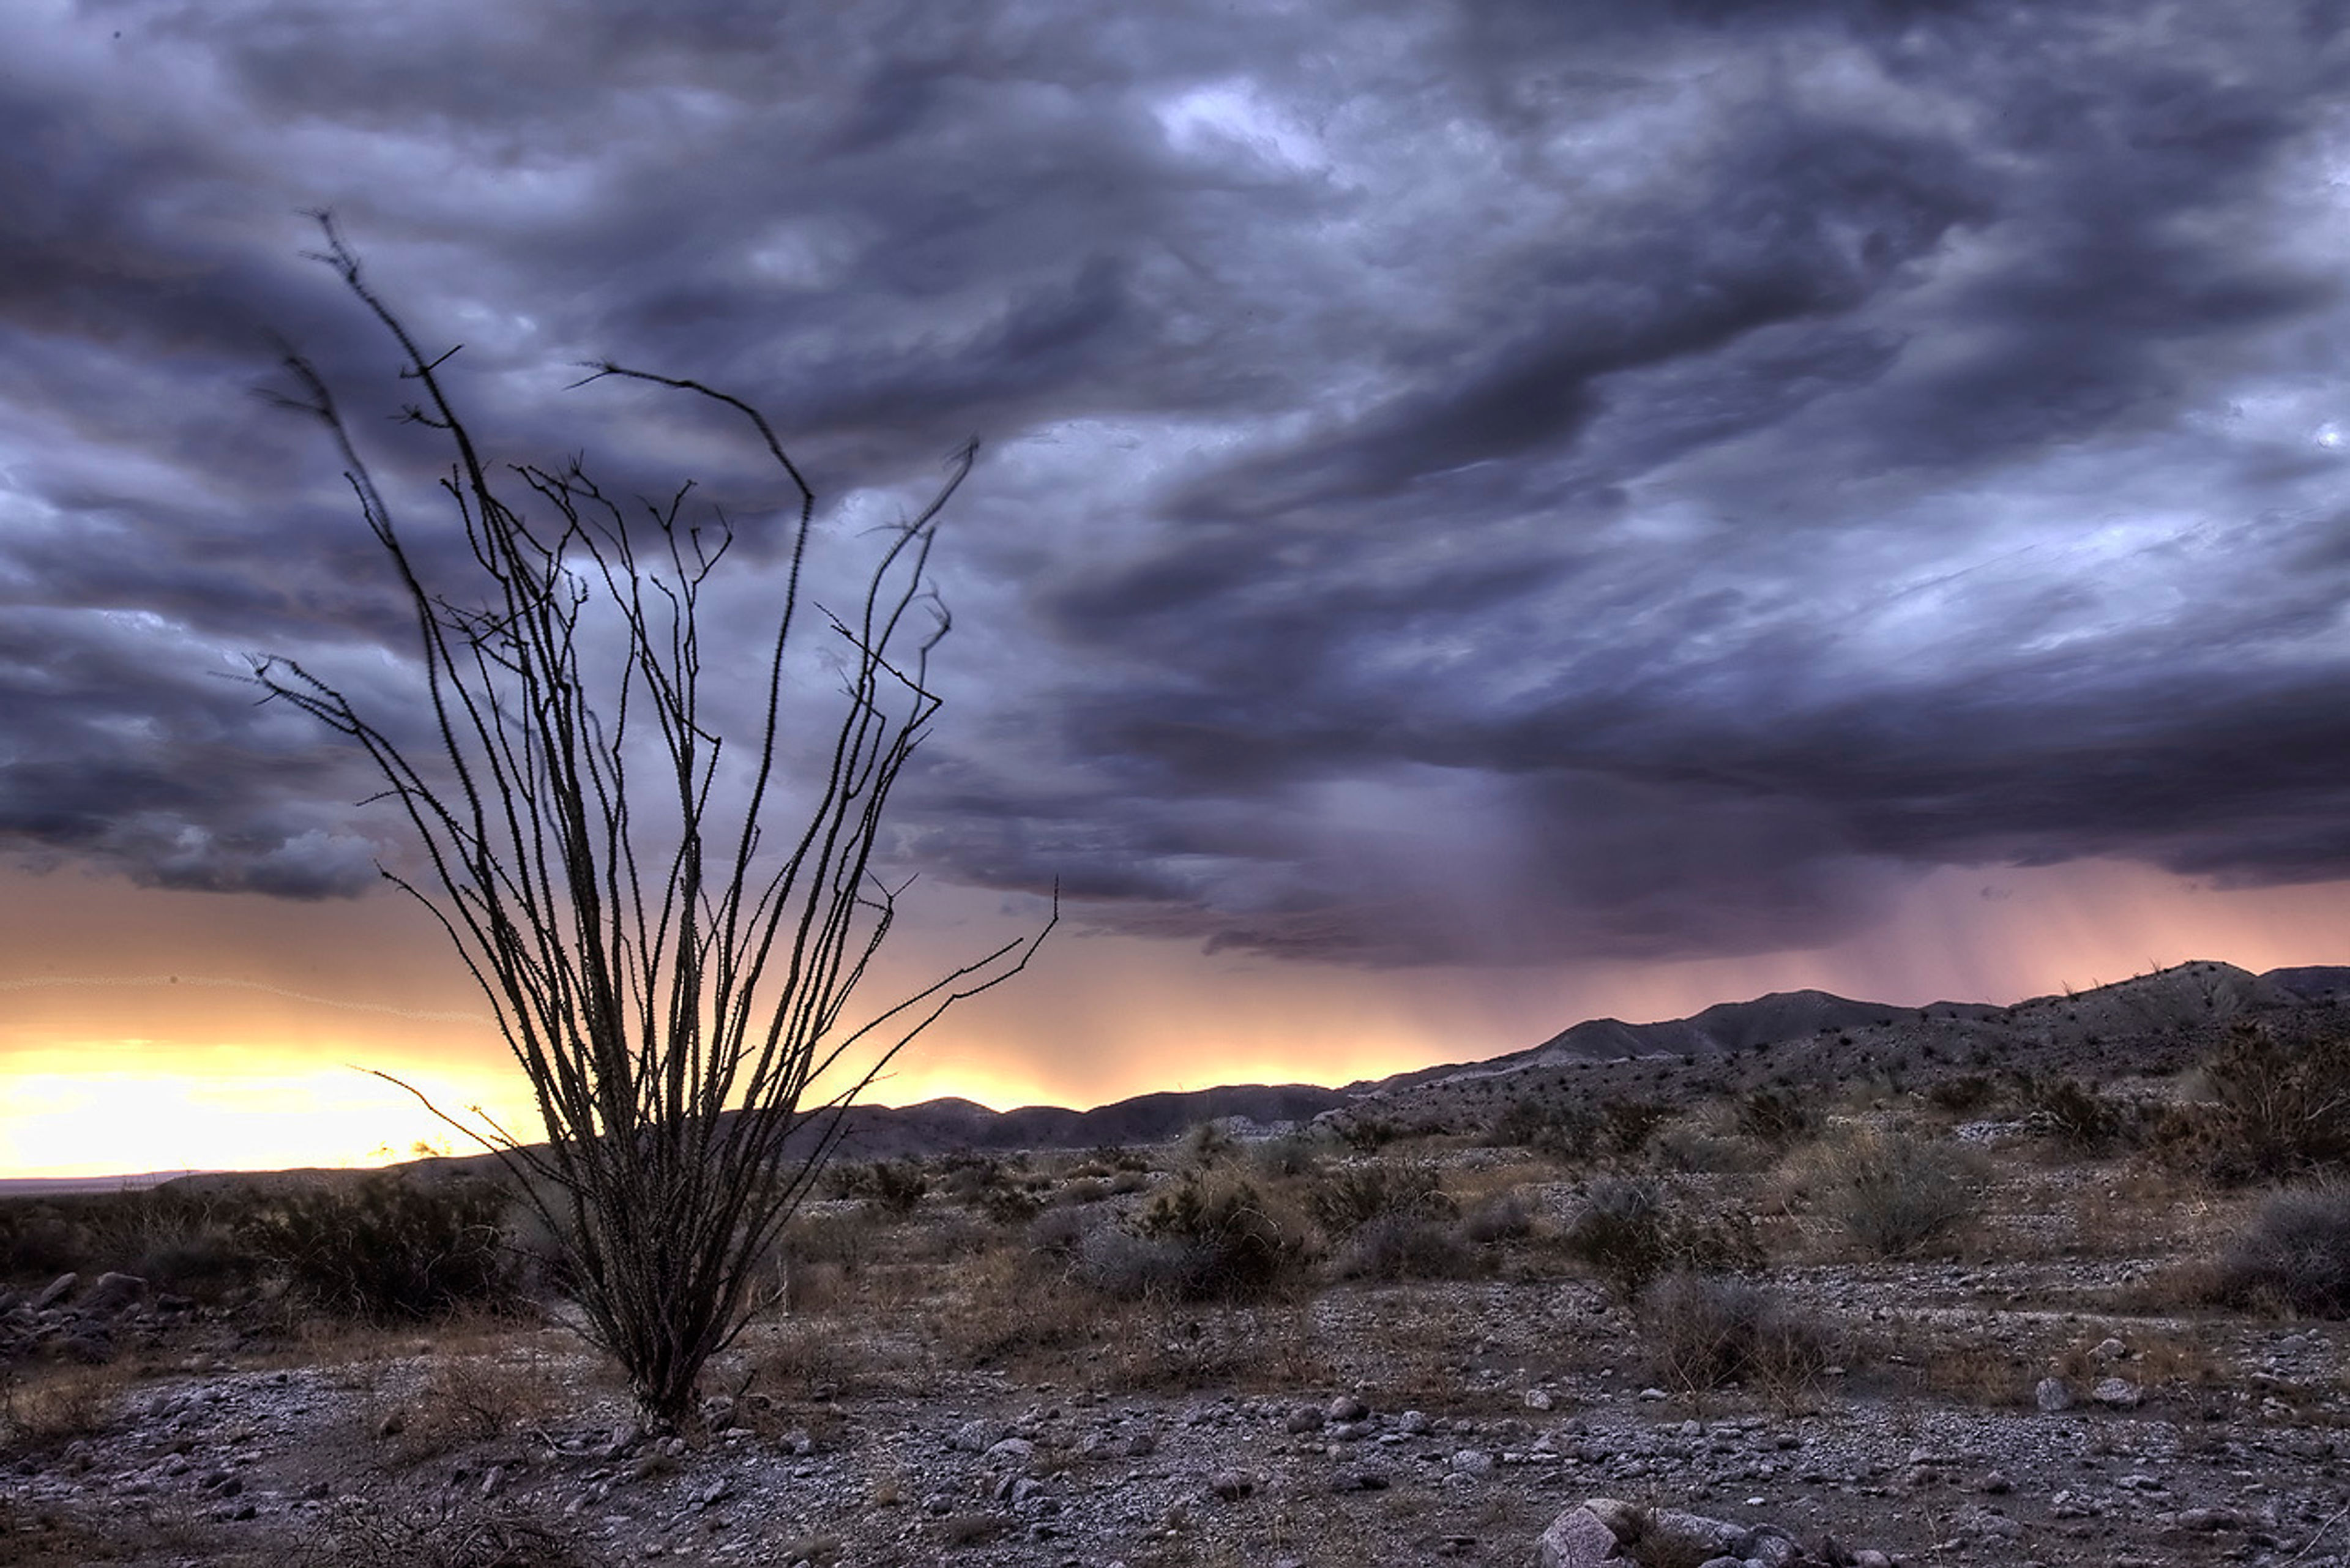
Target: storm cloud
1478 482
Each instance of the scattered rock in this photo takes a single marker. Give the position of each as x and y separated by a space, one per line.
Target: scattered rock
2117 1394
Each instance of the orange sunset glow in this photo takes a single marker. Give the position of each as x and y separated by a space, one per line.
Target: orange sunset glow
196 1057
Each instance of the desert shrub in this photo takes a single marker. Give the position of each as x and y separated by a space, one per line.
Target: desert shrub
2281 1102
1060 1232
1352 1196
2076 1115
1083 1189
1368 1135
1574 1131
206 1261
1631 1234
1708 1330
1206 1239
894 1187
1207 1143
1565 1130
1626 1126
1778 1117
359 1532
1401 1245
383 1249
474 1400
1896 1196
2294 1256
1502 1217
39 1241
1115 1262
1963 1095
1699 1146
1288 1157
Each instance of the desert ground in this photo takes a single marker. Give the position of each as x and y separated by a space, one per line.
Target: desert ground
1974 1285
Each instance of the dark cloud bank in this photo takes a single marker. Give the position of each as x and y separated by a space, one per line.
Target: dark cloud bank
1489 482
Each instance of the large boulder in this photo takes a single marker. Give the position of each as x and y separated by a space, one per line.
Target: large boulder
1577 1538
115 1292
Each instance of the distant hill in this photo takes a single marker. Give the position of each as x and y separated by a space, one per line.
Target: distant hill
876 1131
2149 1023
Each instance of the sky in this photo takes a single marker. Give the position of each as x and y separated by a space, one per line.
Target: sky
1487 513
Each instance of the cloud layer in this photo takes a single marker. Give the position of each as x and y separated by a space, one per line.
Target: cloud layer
1489 483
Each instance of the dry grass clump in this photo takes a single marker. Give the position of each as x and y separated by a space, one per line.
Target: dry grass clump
45 1411
473 1398
1708 1331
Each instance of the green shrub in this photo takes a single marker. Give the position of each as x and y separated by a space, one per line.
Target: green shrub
2294 1257
384 1249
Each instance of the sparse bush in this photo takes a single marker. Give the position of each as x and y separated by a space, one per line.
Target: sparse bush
895 1187
2283 1105
1961 1095
1291 1155
1402 1245
1352 1196
2294 1257
1628 1231
46 1411
2076 1115
39 1241
385 1249
1778 1117
1897 1196
1708 1330
474 1400
1567 1131
1504 1217
1208 1239
358 1533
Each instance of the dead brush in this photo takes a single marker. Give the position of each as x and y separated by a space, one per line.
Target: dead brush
474 1399
1707 1332
1895 1195
41 1412
359 1532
